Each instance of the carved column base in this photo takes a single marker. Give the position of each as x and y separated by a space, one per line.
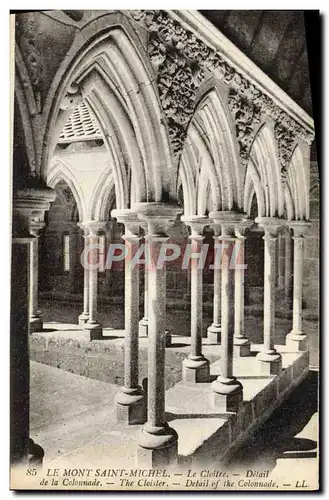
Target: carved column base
214 334
131 406
158 447
95 329
143 327
196 369
269 362
296 341
35 324
83 318
241 347
227 394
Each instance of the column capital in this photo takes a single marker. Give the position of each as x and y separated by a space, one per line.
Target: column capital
93 226
299 228
196 223
226 222
129 219
159 216
35 227
271 225
30 204
241 227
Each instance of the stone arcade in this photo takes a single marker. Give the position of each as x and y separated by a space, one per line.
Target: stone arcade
152 121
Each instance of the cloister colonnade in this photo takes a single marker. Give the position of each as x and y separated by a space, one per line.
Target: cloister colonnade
175 127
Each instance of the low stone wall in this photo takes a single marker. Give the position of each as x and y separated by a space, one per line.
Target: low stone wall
100 360
239 427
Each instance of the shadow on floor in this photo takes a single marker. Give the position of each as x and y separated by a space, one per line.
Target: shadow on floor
276 437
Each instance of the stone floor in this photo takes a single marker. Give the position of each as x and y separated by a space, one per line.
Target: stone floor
73 418
178 322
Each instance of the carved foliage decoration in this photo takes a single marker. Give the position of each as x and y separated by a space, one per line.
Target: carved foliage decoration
286 141
178 58
246 116
182 60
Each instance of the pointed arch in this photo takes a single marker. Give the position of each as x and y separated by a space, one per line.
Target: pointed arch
264 158
211 134
60 172
101 196
252 186
119 86
298 182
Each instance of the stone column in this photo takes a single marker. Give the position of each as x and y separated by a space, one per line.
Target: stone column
143 324
270 361
157 442
288 282
73 233
196 366
281 254
296 339
84 316
28 204
130 401
214 330
227 392
241 344
92 325
36 323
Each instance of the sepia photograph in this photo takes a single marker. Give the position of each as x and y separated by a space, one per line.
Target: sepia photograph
165 250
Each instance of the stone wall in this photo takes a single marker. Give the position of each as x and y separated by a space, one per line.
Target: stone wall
312 248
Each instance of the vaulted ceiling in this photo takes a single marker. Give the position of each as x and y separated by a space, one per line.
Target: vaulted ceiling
275 41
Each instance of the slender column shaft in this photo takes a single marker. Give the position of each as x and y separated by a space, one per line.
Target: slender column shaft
84 316
157 441
130 401
270 361
227 391
93 279
288 277
131 313
281 259
241 342
217 296
239 290
214 330
298 280
73 258
156 335
143 324
92 253
146 299
196 299
296 339
86 292
227 308
196 366
269 292
34 313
